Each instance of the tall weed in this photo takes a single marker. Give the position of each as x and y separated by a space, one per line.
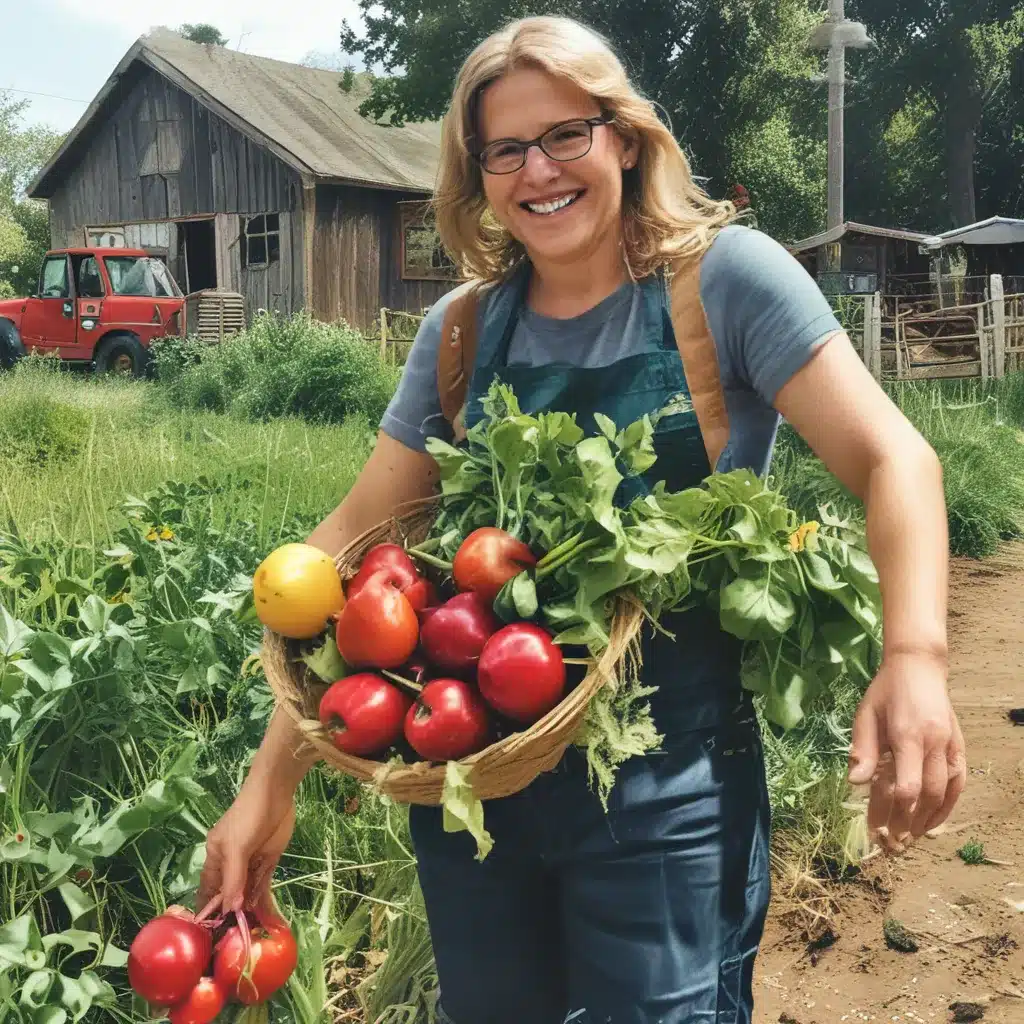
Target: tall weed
280 366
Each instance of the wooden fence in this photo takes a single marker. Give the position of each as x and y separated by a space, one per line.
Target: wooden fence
397 333
921 339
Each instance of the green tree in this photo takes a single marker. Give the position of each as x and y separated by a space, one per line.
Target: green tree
955 59
203 33
24 223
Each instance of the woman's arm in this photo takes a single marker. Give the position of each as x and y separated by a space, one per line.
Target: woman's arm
877 454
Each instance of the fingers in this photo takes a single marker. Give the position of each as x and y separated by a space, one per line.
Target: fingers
956 773
864 746
934 781
908 756
211 875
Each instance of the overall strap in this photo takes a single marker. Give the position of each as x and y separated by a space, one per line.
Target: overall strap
457 353
699 354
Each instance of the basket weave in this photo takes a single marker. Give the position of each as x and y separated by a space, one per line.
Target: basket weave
503 768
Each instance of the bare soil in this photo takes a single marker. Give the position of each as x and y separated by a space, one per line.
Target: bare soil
967 920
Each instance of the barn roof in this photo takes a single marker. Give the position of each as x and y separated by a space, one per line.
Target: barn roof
298 113
852 227
994 231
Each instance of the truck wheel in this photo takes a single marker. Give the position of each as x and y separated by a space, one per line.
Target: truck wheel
11 348
122 354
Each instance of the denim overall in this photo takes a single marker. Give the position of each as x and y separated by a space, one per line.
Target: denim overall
652 912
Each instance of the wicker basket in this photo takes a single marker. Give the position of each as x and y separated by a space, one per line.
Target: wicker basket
503 768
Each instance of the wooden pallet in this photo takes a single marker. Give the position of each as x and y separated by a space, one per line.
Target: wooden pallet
214 315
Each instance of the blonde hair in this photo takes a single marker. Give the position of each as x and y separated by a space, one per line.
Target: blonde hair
666 215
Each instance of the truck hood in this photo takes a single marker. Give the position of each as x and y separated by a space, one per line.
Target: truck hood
11 309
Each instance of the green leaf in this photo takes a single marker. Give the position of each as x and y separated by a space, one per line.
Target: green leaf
191 680
175 636
753 608
36 987
326 661
524 595
14 635
50 1015
791 690
605 425
114 957
95 614
18 939
463 810
819 573
78 903
72 586
602 479
74 939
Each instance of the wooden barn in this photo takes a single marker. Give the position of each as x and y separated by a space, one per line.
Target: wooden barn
254 176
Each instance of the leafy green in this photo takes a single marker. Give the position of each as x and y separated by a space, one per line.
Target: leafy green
462 809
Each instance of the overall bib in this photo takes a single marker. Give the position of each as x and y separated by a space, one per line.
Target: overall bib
652 912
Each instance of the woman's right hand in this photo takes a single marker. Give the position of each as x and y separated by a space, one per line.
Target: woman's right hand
244 847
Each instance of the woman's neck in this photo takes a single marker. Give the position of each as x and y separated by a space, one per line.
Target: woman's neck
564 290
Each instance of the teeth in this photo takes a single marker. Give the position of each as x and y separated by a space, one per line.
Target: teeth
551 207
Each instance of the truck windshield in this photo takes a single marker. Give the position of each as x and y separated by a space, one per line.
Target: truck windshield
140 275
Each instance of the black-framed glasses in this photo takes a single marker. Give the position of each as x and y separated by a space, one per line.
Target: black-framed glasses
568 140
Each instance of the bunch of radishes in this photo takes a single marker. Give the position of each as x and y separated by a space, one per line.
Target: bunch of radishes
445 674
174 963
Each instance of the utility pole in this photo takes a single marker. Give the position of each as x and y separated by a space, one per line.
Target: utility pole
835 35
836 115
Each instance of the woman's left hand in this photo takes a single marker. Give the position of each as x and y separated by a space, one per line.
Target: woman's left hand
906 713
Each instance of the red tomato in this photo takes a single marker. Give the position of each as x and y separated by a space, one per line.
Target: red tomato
378 627
453 635
202 1005
273 957
167 959
363 713
521 672
447 722
487 559
399 570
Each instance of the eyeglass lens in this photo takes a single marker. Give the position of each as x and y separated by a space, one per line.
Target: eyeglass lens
567 141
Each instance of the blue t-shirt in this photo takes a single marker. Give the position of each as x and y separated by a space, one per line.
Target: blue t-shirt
765 312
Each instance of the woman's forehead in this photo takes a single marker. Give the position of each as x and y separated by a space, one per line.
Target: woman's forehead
526 101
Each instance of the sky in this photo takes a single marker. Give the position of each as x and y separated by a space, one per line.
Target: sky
68 49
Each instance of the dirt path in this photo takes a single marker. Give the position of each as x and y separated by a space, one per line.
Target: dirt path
971 936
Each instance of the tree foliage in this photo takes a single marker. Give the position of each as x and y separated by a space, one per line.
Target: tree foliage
24 223
203 33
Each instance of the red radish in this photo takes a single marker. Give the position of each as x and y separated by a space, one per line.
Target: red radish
273 955
521 672
399 570
487 559
201 1006
448 721
168 957
363 714
378 627
453 634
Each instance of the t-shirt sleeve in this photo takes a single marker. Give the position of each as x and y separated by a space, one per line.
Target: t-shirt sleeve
414 413
766 313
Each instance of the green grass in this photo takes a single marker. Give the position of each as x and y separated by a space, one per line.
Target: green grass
972 853
975 429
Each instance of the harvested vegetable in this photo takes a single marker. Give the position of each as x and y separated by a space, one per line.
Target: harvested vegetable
168 957
399 570
202 1004
449 721
378 627
296 590
363 714
487 559
453 635
521 672
252 971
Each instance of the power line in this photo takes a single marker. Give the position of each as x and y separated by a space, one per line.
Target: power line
48 95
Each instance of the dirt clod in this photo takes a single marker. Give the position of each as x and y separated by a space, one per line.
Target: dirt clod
897 937
965 1013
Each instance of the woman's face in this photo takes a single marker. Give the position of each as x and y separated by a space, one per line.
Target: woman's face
561 211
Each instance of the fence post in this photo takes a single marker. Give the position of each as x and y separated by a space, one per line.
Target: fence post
873 334
998 302
383 333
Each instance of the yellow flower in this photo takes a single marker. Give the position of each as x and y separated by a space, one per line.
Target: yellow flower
161 533
798 539
152 535
166 534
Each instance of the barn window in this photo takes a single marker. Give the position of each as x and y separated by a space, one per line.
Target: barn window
423 255
260 240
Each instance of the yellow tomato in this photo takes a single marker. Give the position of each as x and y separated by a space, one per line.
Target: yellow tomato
296 589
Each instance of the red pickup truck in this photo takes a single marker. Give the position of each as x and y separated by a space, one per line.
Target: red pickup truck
98 306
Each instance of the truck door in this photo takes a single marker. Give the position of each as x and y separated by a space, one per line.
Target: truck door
50 323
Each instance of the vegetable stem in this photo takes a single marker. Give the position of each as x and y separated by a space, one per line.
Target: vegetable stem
560 549
402 681
568 556
437 563
427 547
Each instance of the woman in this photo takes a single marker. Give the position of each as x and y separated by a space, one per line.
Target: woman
560 187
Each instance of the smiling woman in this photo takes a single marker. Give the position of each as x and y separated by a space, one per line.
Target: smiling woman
605 283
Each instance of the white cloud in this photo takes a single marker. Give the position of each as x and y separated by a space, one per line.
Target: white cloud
266 28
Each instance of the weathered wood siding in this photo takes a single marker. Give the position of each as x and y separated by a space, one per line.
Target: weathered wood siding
357 252
159 155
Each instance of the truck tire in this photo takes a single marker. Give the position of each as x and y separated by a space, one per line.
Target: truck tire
11 348
122 353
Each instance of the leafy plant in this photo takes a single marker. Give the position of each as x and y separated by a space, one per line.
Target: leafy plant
972 853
